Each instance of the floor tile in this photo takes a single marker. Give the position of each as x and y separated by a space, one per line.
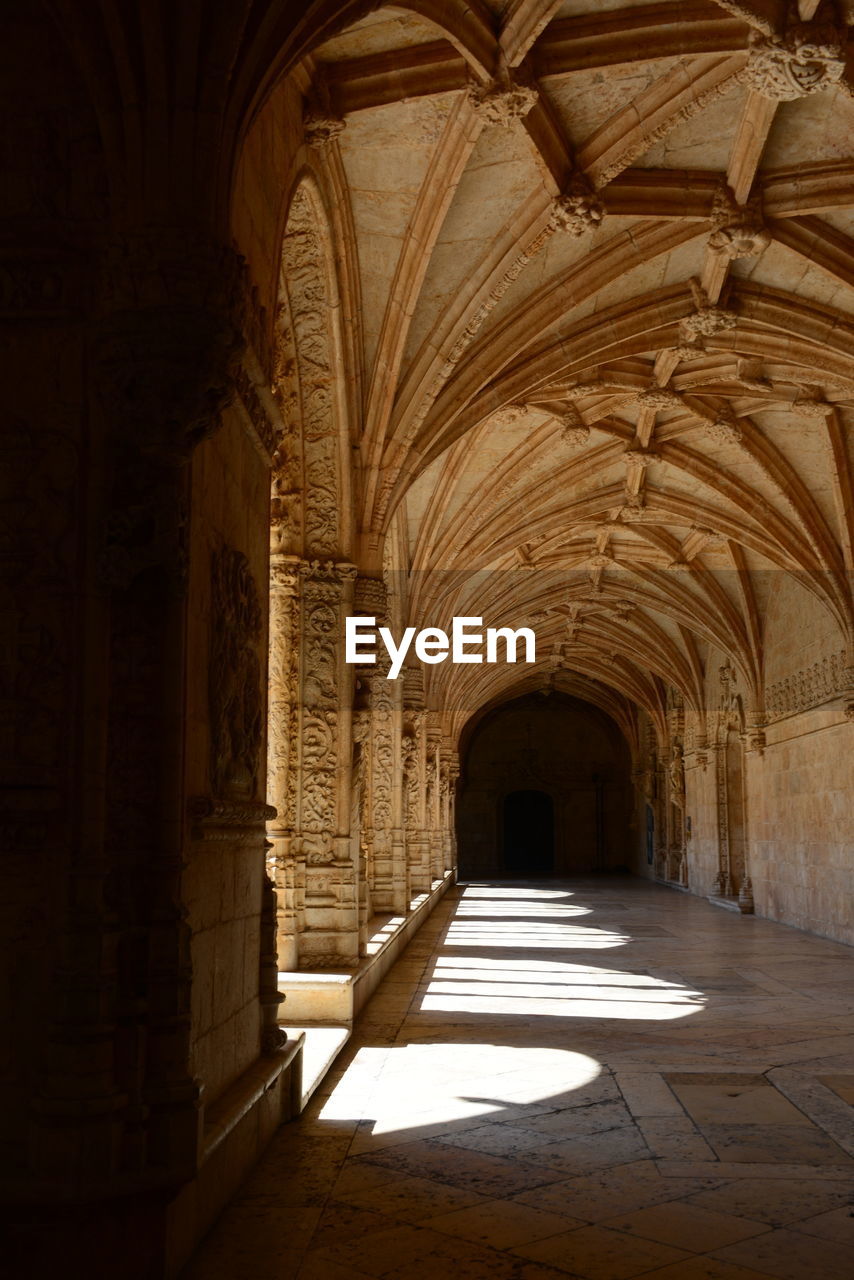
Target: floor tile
414 1199
705 1268
475 1170
837 1225
776 1201
503 1224
774 1143
791 1256
595 1252
614 1126
675 1137
686 1226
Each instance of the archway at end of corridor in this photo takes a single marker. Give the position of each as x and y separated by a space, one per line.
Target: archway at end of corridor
528 833
545 790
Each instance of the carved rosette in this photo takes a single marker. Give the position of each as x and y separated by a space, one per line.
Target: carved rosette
640 458
574 431
500 102
578 209
739 231
321 129
632 510
659 398
807 59
724 428
705 322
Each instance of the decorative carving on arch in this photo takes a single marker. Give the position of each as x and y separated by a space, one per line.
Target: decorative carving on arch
306 468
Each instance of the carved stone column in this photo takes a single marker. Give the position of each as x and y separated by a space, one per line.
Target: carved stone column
286 863
434 797
453 779
722 886
415 800
360 835
448 772
331 904
381 703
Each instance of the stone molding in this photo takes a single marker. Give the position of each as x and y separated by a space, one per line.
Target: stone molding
224 820
809 687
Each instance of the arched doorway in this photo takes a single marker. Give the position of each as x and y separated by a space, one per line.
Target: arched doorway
528 834
545 790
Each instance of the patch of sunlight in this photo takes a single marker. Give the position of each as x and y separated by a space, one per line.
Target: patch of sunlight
495 891
555 990
376 940
531 936
536 910
553 973
417 1086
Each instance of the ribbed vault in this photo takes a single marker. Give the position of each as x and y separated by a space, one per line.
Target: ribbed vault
605 322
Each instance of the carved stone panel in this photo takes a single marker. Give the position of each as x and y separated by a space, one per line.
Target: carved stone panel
234 690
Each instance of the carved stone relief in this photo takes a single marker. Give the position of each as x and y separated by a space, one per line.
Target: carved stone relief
310 316
235 696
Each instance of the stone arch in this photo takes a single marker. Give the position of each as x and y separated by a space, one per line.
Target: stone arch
311 503
563 746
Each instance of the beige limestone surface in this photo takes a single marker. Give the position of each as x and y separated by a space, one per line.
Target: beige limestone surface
594 1078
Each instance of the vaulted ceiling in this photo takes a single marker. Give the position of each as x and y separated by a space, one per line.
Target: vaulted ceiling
604 292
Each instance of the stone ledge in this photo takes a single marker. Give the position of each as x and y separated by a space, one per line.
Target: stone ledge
675 884
728 904
322 1046
239 1098
238 1126
335 998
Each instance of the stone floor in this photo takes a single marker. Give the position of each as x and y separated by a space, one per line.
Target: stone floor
600 1078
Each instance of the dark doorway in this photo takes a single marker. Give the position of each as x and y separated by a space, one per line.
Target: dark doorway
529 834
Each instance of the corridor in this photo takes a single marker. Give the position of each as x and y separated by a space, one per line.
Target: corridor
596 1078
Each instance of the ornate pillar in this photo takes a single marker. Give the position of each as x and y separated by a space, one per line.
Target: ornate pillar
434 797
414 756
415 800
283 754
380 703
722 886
447 765
676 793
360 834
453 779
330 935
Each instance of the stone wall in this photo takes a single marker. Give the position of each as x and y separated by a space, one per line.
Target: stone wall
225 751
800 810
